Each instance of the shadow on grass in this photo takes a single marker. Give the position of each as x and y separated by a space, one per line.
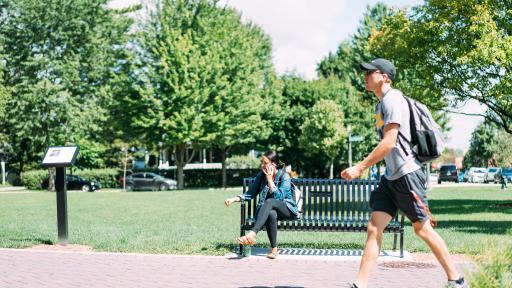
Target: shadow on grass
468 206
34 241
474 226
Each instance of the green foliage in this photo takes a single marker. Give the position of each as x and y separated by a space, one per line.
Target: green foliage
503 149
298 96
108 177
344 64
242 162
204 72
457 51
209 177
482 146
323 131
495 269
58 63
32 179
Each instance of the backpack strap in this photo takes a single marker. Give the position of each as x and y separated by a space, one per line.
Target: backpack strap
412 121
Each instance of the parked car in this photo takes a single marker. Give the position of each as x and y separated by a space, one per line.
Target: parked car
149 181
433 177
476 174
489 174
462 176
506 172
448 172
74 182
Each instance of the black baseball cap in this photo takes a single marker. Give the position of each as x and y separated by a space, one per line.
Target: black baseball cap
383 65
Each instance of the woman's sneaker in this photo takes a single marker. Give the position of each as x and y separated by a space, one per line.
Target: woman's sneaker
457 283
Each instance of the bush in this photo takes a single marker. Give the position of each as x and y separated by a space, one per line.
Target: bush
107 177
197 178
242 162
495 271
32 179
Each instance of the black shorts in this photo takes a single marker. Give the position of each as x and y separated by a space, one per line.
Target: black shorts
407 193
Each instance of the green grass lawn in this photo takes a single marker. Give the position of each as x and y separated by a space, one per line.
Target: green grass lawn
197 222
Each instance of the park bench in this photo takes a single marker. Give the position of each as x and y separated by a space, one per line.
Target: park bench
330 205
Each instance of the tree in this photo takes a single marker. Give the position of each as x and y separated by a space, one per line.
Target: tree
458 51
323 131
58 58
204 70
345 62
235 113
503 149
482 146
298 96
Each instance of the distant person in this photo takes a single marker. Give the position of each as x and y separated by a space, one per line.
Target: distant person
275 202
402 187
503 181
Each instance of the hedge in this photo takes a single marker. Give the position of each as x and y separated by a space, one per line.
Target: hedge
32 179
201 178
109 177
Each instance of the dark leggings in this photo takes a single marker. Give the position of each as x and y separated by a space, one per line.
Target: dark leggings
268 214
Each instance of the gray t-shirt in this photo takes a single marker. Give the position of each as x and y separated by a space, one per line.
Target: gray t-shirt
394 109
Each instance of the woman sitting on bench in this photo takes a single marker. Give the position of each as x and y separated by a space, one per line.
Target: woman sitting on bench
275 200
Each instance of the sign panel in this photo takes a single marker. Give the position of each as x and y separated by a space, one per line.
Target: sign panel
60 156
355 138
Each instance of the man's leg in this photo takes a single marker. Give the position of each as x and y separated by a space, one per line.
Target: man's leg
425 231
378 222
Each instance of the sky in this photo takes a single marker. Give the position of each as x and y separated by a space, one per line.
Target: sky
304 31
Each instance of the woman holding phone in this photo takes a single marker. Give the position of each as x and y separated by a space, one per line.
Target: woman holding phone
275 202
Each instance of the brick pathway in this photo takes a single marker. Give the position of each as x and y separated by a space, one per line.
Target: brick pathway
31 268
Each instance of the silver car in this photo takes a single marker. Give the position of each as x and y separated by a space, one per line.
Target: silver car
149 181
489 174
476 174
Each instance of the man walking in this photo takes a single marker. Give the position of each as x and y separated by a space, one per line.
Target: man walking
403 186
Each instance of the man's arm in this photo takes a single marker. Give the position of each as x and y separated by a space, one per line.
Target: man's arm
385 146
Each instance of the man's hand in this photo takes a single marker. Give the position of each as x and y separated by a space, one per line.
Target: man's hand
351 172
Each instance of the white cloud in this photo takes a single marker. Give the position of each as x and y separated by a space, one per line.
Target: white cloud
300 29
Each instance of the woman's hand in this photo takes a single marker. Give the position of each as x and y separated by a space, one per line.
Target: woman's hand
269 171
230 201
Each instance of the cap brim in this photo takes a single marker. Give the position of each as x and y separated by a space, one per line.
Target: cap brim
367 67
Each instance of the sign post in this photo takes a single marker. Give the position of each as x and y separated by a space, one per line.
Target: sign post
61 157
352 138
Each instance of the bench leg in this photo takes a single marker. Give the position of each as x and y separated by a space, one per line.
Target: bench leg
402 244
394 241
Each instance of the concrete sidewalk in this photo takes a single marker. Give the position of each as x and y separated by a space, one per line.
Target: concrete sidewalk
32 268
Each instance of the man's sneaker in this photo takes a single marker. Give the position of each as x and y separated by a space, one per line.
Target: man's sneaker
457 283
351 285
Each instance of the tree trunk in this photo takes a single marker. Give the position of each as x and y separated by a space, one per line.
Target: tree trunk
224 152
181 161
180 164
331 175
51 179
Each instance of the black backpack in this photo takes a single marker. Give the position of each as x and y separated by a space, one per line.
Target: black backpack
426 135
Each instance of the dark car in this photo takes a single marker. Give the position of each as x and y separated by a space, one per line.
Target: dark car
74 182
149 181
448 173
507 174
